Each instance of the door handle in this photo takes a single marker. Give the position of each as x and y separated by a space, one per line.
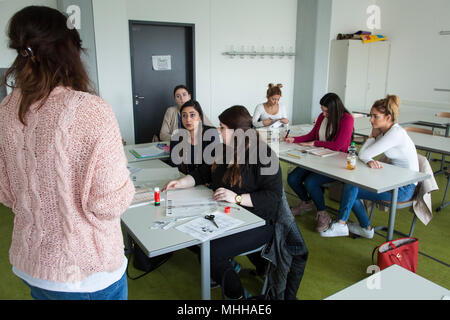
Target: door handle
137 97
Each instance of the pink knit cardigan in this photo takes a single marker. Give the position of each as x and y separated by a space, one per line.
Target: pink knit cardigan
64 175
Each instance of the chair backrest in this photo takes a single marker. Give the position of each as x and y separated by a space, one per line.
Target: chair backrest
419 130
443 114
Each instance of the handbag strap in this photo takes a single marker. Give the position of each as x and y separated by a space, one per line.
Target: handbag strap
373 252
390 244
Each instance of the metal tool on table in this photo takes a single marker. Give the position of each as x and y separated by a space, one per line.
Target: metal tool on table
211 217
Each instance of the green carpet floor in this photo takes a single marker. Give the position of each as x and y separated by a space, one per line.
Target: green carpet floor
333 264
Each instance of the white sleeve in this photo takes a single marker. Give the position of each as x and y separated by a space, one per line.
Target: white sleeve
257 115
374 147
283 113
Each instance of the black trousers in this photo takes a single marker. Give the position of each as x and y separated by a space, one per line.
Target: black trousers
224 249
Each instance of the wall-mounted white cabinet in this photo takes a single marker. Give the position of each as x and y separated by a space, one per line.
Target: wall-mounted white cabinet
358 72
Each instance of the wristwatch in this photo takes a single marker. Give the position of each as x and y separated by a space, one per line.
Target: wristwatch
238 199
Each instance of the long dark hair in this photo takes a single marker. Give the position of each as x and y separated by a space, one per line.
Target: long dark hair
236 117
336 111
48 56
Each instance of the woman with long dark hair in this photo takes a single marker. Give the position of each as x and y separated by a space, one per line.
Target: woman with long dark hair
188 143
247 174
62 166
332 130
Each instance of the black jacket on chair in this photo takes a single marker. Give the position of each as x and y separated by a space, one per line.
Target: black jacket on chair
287 255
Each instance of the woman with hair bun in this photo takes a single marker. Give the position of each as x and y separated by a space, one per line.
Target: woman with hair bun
270 111
387 137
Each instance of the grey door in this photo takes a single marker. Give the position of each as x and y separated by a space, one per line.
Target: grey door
153 83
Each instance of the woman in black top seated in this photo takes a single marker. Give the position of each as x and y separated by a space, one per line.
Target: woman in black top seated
188 143
245 172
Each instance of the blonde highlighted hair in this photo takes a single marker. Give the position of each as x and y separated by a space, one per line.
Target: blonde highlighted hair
389 106
274 89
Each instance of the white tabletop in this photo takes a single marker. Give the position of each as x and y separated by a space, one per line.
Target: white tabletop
408 115
376 180
393 283
138 222
428 142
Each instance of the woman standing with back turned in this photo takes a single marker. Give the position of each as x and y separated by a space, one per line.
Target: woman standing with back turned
62 167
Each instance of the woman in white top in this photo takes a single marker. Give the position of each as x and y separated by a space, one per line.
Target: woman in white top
387 137
270 111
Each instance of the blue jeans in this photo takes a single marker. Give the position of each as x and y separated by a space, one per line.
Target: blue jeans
352 194
117 291
308 185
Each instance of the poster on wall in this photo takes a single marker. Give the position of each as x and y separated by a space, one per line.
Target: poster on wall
162 63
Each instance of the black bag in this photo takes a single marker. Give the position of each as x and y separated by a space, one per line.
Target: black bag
142 262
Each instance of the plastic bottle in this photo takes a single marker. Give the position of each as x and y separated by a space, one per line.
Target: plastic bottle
351 157
157 197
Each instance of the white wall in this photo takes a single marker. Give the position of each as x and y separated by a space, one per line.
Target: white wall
7 10
419 60
254 25
220 81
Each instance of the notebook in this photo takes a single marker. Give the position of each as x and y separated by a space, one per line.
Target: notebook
148 152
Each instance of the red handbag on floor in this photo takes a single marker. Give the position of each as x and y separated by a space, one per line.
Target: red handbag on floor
403 252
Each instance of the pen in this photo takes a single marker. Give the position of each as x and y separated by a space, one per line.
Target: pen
287 133
293 155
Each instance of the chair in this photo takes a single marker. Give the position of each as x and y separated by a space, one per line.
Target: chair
253 272
443 114
419 130
424 166
444 203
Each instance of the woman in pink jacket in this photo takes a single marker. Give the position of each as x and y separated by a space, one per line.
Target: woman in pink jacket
62 166
332 130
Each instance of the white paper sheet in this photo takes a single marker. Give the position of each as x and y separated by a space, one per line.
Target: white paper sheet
162 63
203 229
189 202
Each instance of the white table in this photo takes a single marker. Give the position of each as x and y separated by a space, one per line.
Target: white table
389 178
393 283
409 115
131 158
137 222
427 142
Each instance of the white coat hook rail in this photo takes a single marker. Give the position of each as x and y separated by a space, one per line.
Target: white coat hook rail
252 53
